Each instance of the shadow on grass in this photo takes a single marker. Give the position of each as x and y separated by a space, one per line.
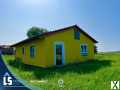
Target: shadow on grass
80 68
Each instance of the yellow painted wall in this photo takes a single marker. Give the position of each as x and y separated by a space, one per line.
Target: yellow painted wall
39 59
71 47
44 56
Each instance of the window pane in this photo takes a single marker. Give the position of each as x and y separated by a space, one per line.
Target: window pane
32 51
84 50
23 50
58 49
77 34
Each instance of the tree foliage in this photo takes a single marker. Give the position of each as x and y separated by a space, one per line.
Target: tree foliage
95 49
35 31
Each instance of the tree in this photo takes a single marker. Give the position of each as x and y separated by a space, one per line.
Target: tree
35 31
95 49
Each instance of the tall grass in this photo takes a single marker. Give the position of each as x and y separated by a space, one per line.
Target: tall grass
90 75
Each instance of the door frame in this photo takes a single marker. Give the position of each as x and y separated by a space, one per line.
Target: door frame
63 53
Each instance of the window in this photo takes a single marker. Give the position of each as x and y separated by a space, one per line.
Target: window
77 34
84 50
32 51
14 50
23 50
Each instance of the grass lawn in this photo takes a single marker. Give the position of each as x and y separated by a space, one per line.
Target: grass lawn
91 75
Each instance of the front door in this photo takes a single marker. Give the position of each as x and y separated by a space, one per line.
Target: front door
59 54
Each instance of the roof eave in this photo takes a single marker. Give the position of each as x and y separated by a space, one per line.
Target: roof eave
95 41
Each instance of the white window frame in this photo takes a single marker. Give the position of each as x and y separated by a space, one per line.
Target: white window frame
86 52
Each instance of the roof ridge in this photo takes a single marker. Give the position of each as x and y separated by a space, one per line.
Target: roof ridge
57 30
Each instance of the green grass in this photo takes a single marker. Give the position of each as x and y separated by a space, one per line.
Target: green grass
91 75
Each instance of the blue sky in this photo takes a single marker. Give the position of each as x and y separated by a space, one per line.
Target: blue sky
99 18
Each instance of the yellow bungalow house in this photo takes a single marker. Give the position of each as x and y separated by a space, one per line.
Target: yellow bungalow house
56 48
